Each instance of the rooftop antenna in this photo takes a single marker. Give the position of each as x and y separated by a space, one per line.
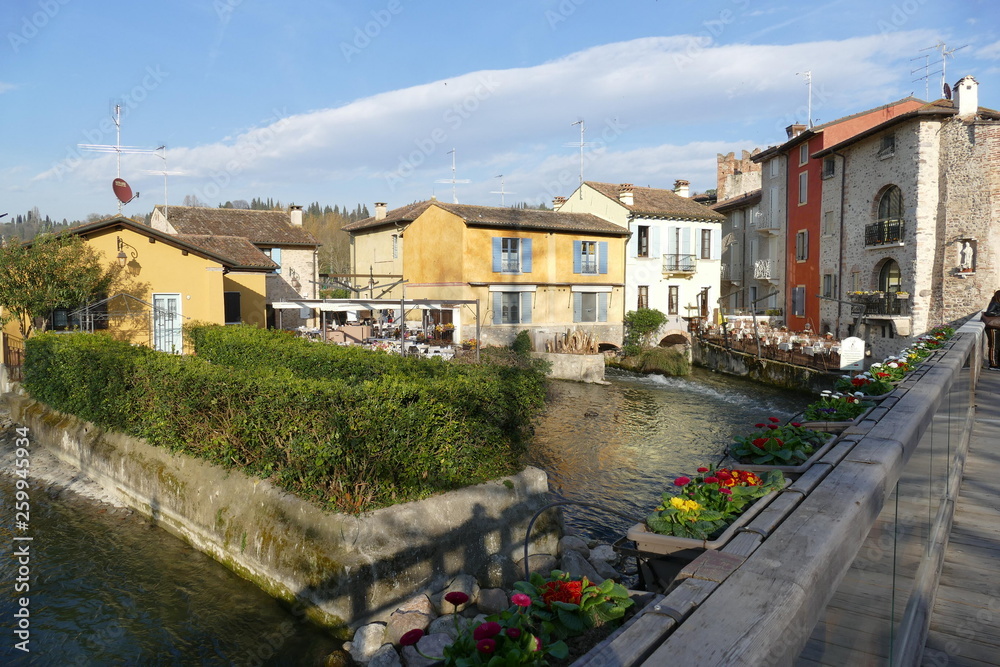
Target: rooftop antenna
926 76
162 154
118 149
453 180
942 49
581 144
809 108
501 192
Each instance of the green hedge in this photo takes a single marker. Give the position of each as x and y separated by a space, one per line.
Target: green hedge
366 439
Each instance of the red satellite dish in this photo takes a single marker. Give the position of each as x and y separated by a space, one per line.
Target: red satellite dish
122 190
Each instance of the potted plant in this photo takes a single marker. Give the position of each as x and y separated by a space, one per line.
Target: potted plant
872 386
835 411
704 511
790 447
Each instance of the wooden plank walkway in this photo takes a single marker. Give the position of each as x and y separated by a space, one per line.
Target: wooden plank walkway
859 624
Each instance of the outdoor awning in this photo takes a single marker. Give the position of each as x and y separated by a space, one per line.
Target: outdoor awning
342 305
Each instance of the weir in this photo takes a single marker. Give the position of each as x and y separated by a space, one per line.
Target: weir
844 567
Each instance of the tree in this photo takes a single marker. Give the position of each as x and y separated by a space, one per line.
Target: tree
51 272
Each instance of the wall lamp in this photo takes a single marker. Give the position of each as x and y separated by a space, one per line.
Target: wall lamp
122 258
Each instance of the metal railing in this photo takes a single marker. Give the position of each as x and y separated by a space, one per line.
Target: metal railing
883 303
13 357
764 269
884 231
679 263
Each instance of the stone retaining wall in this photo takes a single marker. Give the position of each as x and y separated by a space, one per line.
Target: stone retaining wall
768 371
344 570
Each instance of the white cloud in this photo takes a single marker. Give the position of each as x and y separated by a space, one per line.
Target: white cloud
989 52
6 87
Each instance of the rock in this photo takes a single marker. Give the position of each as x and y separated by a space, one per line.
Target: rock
385 657
367 640
578 566
499 572
492 601
432 645
604 552
416 612
543 564
463 583
447 625
572 543
605 569
338 659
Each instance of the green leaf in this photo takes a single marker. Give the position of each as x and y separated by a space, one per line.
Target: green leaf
558 650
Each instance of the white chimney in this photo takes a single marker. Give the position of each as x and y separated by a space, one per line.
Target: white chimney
966 94
795 130
380 210
295 214
625 194
557 203
682 188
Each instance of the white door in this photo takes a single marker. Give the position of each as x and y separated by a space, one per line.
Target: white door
167 323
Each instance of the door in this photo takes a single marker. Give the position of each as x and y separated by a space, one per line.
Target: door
167 323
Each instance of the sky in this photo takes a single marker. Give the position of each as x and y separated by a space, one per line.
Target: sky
362 102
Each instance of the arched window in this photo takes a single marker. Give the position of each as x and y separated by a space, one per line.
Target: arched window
889 279
890 205
888 226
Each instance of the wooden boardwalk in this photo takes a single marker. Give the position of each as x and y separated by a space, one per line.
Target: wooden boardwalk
860 622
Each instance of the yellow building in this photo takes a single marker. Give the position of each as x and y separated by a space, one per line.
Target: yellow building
544 272
171 279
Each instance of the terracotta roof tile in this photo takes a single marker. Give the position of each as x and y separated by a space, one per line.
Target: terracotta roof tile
260 227
494 216
238 250
659 202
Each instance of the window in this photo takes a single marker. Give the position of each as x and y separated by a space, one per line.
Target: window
774 167
590 257
231 307
889 277
706 244
830 285
590 306
643 297
802 245
803 187
511 255
274 254
799 301
672 300
829 167
888 227
512 307
395 246
887 148
829 224
643 234
803 153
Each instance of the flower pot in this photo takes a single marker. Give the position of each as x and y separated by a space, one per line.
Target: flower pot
790 469
653 543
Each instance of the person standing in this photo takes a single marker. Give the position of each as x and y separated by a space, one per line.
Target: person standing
991 317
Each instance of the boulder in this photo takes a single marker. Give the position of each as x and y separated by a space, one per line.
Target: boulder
578 566
572 543
366 642
385 657
492 601
432 645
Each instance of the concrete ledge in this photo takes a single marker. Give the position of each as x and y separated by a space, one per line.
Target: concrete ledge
344 570
579 367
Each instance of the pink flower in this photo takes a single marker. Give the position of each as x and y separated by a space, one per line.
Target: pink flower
412 637
711 480
521 600
513 633
486 630
456 598
682 481
486 646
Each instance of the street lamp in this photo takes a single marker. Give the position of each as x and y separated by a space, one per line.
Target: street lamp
122 258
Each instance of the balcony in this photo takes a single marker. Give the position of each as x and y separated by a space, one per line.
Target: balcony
766 223
883 304
884 232
679 263
765 269
731 273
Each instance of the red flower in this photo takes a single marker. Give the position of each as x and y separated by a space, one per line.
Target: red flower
486 630
702 469
486 646
412 637
773 427
711 480
796 424
774 420
760 442
723 474
521 600
727 492
457 598
682 481
569 592
760 425
513 633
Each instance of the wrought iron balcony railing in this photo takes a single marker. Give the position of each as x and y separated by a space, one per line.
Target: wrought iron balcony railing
764 269
883 303
679 263
884 231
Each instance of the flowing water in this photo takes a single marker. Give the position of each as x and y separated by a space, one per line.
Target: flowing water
108 589
621 445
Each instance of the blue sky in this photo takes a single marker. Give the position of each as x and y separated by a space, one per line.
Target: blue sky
354 102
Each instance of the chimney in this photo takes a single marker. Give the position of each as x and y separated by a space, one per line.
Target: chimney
795 130
295 214
625 194
380 210
682 188
557 203
966 95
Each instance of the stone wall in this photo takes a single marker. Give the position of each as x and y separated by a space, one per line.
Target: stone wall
577 367
767 371
298 265
345 570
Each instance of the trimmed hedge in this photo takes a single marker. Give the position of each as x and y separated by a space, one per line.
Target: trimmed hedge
384 432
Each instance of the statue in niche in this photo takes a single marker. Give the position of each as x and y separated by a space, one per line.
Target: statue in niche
967 256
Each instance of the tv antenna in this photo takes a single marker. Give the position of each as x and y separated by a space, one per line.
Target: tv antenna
581 144
809 107
161 152
501 191
945 53
118 149
453 180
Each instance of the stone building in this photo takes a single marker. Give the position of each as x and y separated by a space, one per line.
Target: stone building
911 222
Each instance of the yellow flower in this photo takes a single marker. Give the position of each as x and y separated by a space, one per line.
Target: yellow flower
677 503
691 506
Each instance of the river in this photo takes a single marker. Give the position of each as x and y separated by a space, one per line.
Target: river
109 589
